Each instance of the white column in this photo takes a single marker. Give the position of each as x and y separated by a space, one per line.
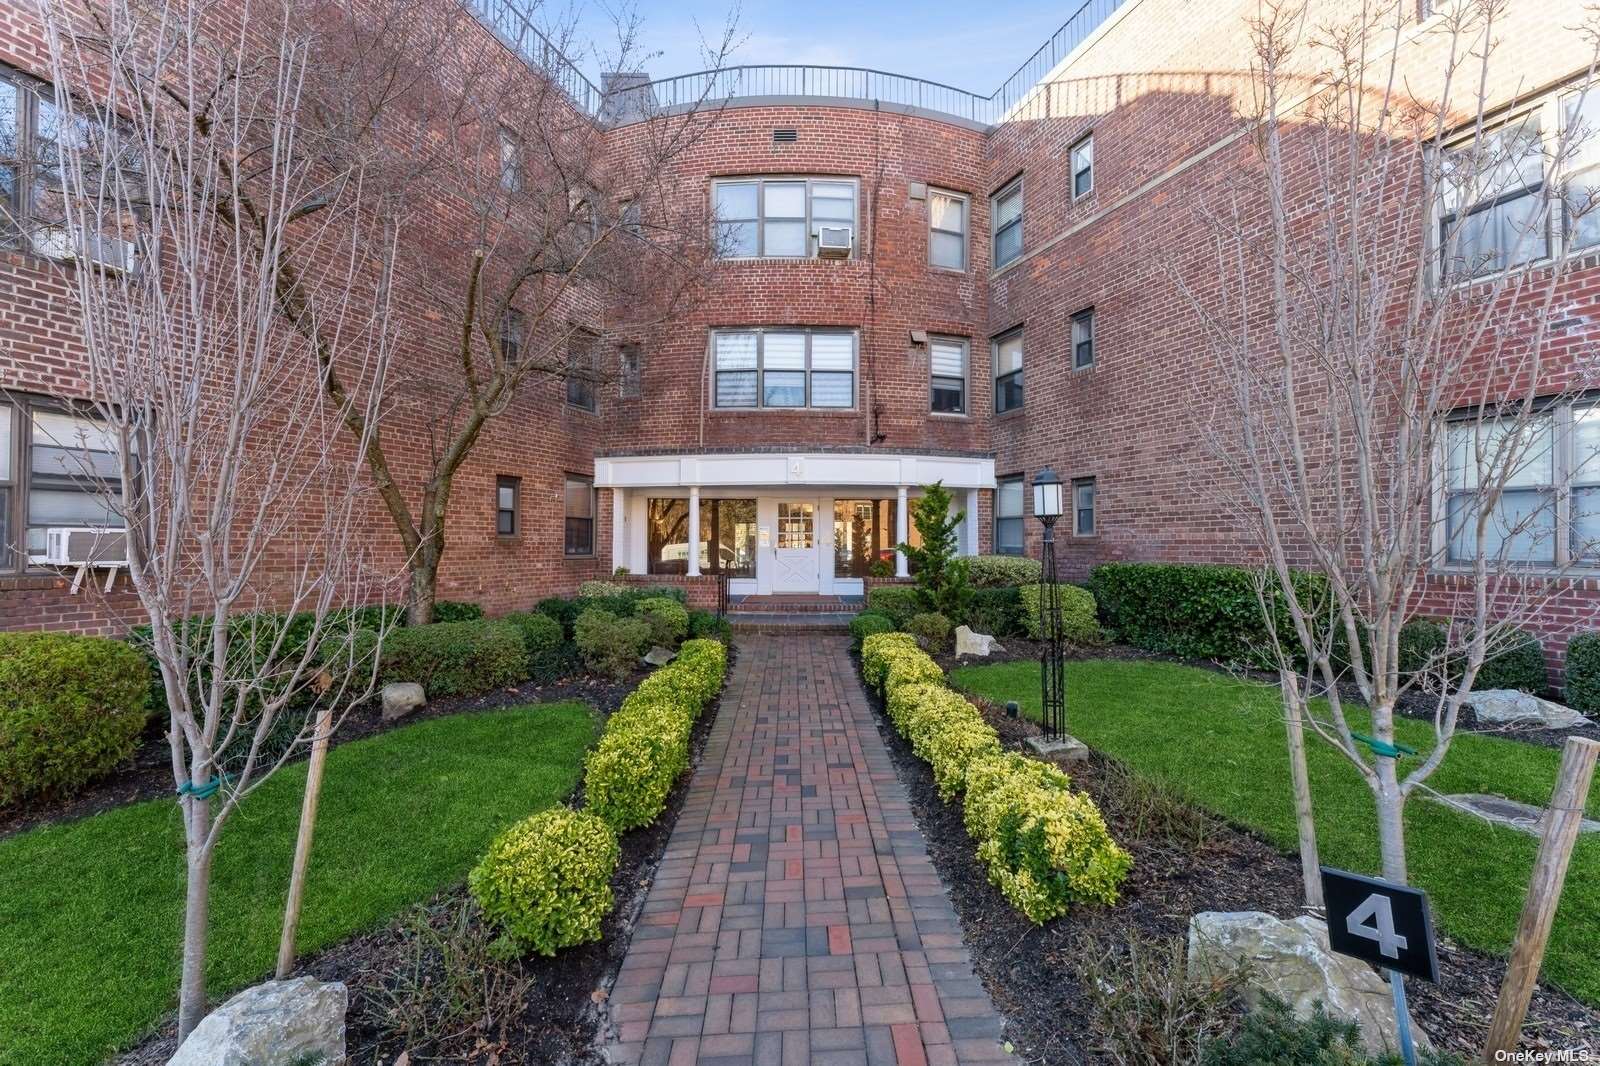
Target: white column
902 528
972 522
694 531
619 528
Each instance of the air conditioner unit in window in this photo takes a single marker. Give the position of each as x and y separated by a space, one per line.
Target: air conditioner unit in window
71 245
833 242
86 546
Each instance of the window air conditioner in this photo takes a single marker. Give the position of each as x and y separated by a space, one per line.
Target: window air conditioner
833 242
86 546
69 245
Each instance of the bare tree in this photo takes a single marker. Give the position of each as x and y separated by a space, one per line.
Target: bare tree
1385 323
183 161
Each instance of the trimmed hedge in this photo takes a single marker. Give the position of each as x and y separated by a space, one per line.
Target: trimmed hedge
997 611
548 652
1079 623
1192 610
867 623
667 618
610 644
645 745
1004 571
456 611
708 625
455 658
1520 665
547 880
71 709
1582 690
1045 847
931 629
899 602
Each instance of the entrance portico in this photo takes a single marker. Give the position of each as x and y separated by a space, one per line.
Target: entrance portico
779 521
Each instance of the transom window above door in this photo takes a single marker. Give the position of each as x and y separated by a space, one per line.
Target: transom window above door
780 368
779 218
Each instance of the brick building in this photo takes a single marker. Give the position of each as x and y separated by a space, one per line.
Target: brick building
916 283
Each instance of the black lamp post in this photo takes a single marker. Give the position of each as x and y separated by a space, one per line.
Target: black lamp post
1047 507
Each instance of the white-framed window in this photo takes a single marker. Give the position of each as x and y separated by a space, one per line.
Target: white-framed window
579 506
778 218
506 512
1008 514
948 215
1580 114
947 366
1083 339
1005 211
1006 353
58 467
1082 156
1548 511
1083 499
783 368
510 161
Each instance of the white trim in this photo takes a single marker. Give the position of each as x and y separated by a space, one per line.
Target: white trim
778 470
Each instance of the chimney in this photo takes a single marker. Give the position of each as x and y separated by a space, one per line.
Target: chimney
626 97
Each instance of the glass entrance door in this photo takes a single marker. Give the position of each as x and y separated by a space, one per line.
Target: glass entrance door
794 551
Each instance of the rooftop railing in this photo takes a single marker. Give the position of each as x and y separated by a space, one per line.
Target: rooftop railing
510 22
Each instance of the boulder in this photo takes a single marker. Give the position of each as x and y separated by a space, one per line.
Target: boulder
1293 962
1513 814
299 1022
400 698
1504 706
970 643
659 656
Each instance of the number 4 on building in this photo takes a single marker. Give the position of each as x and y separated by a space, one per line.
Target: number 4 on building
1380 914
1380 922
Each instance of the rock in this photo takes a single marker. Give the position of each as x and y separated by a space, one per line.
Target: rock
1504 706
1523 817
1292 961
1060 749
660 656
970 643
400 698
299 1022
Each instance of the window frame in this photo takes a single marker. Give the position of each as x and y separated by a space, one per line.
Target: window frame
593 518
1086 320
963 410
1014 187
964 233
1021 517
1079 484
511 177
1073 169
760 181
760 369
581 393
14 519
510 332
1016 332
630 372
503 482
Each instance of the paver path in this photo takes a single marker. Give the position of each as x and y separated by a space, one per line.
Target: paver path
796 917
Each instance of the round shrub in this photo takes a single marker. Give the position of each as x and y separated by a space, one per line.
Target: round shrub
899 602
610 645
71 709
562 610
667 618
1004 571
546 643
593 589
456 611
1079 623
455 658
705 624
1421 640
546 881
867 623
1583 673
1519 665
996 611
630 773
931 629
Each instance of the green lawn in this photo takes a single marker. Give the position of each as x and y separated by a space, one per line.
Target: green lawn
1221 740
90 912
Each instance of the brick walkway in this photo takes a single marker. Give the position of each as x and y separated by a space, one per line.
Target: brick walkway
796 917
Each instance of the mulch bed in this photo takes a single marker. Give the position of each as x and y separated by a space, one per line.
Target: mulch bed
555 1018
1034 973
148 773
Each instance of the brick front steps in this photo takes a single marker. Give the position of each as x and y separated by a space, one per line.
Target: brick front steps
779 614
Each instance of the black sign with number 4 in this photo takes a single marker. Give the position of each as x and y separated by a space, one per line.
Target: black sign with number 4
1381 922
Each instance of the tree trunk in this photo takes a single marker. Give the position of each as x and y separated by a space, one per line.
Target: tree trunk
1305 822
419 604
196 915
1391 823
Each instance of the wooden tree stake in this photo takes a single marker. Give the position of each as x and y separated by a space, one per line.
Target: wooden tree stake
302 845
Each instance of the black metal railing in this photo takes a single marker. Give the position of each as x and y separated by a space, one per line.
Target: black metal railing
509 21
722 593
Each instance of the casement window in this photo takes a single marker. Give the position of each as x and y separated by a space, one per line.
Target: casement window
947 230
32 133
779 368
58 467
1083 507
511 327
1581 207
630 371
1083 167
727 542
510 161
779 217
947 364
580 508
581 370
1008 503
506 493
1083 339
1007 356
1005 209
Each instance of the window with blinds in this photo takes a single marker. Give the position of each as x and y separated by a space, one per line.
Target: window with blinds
783 369
947 365
1007 357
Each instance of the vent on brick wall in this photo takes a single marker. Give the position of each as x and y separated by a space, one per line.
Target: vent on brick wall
785 136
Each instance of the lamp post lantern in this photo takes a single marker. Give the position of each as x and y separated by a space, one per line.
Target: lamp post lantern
1047 507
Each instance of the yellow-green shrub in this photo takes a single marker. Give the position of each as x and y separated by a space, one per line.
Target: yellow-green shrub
878 649
546 881
1080 622
988 779
945 731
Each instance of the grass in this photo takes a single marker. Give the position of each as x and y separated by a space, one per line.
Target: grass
91 911
1220 740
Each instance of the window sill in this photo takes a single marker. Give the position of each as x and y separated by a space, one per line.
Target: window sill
959 272
1007 415
826 412
571 558
950 416
731 259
